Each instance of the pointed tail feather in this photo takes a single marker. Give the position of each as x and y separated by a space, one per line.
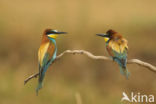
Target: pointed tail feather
124 71
40 84
40 81
122 65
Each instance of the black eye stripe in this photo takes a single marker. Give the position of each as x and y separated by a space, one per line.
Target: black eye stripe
50 32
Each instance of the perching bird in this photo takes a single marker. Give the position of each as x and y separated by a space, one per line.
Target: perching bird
46 53
117 48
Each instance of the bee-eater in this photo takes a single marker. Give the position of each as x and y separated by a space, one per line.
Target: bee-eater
46 53
117 48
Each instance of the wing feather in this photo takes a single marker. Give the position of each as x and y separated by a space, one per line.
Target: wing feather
51 50
119 46
42 52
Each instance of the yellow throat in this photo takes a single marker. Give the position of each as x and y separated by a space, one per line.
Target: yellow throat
53 36
106 39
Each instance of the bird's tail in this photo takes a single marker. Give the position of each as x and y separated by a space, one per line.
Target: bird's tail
123 69
40 81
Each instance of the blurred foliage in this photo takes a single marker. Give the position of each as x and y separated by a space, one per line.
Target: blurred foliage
98 82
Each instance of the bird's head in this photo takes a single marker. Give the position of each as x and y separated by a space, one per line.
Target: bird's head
52 34
108 35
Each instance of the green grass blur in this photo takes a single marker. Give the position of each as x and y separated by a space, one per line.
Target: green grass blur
98 82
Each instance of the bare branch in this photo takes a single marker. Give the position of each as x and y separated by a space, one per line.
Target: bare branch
90 55
30 77
143 64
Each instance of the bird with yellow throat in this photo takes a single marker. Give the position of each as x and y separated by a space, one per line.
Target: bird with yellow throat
46 53
117 48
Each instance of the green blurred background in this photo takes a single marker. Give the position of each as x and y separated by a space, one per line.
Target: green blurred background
22 23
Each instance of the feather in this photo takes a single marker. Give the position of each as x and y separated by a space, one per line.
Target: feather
46 54
119 45
122 65
42 51
117 49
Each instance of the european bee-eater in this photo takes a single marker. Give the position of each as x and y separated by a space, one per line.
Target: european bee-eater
46 53
117 48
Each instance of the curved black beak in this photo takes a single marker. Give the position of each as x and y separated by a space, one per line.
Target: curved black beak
61 33
102 35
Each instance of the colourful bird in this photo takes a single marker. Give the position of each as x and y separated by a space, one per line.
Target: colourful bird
46 53
117 48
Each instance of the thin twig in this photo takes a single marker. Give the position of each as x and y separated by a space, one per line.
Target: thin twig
90 55
30 77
